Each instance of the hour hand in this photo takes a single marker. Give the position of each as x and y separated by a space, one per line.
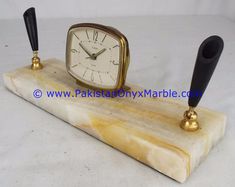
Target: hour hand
87 52
95 55
99 53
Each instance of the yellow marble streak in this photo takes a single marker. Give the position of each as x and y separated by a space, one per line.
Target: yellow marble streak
115 133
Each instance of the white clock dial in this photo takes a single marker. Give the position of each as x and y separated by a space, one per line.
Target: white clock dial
94 57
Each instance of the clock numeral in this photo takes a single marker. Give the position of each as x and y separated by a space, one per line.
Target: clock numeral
95 35
85 72
76 36
113 62
100 77
74 50
112 78
115 46
74 65
87 35
104 37
92 77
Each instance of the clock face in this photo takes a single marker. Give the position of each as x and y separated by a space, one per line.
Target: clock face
94 57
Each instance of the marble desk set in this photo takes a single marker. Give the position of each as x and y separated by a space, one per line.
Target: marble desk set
163 133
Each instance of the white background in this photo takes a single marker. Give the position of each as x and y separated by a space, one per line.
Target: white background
110 8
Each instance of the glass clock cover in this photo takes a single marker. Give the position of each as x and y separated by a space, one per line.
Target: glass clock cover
97 56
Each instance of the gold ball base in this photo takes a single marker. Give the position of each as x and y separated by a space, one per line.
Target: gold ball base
36 65
190 123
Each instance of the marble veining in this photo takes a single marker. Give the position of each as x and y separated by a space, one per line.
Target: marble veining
145 129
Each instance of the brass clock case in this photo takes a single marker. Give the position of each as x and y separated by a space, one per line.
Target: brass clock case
124 58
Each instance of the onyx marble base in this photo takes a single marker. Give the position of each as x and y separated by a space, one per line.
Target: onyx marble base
146 129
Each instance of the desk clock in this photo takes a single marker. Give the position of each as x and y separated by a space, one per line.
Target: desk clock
97 56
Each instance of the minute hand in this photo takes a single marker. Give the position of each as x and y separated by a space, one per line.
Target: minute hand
87 52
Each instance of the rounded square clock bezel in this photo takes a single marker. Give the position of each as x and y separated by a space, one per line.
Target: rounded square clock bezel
124 54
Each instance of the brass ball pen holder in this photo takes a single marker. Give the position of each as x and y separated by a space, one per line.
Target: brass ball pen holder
151 130
207 59
31 27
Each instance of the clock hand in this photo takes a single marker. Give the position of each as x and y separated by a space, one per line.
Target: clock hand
87 52
99 53
95 55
